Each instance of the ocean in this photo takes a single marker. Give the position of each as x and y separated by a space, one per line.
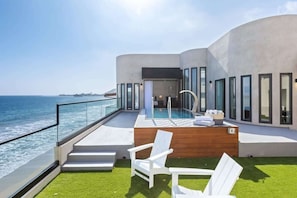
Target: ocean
24 114
20 115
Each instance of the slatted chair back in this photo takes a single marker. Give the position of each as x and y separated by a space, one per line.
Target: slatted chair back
161 143
224 177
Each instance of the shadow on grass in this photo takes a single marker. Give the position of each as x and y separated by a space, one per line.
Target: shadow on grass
249 164
250 170
123 163
140 186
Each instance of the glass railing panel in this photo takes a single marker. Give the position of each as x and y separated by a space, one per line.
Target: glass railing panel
24 159
75 116
99 109
111 106
71 118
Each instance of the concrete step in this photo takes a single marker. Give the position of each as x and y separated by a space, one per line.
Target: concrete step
91 157
94 148
79 166
121 150
90 161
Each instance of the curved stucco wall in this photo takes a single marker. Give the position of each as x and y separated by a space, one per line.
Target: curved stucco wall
265 46
193 58
129 67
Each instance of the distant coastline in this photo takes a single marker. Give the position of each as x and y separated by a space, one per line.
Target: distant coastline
111 93
81 94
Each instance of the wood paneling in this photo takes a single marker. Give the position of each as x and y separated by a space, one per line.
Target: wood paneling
192 141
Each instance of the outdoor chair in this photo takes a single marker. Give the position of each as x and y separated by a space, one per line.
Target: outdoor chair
221 182
155 164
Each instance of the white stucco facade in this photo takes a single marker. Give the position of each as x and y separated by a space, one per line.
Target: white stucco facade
265 46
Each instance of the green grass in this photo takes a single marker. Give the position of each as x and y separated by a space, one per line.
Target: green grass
261 177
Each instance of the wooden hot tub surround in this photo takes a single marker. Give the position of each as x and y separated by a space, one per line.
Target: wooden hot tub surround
193 141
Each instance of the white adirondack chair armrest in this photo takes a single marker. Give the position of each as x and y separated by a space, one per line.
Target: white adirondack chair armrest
141 147
155 157
190 171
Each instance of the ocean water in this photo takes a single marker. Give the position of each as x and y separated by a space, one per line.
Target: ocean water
24 114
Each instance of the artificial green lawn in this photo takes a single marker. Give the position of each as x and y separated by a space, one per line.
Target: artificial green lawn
261 177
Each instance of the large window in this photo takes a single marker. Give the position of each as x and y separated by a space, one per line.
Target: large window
265 98
123 95
220 94
193 83
136 96
119 95
232 97
129 96
286 98
246 96
202 89
186 87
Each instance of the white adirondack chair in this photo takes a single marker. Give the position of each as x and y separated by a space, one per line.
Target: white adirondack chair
155 164
221 182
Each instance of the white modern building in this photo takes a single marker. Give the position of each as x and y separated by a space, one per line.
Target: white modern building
250 73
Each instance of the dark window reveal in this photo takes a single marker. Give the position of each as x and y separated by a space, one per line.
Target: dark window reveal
175 73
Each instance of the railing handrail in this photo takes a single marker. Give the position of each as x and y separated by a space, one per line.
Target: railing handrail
89 101
27 134
53 125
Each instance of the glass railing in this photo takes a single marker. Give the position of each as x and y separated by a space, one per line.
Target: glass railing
75 116
25 157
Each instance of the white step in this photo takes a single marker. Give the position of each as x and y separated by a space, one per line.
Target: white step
121 150
87 166
91 156
89 161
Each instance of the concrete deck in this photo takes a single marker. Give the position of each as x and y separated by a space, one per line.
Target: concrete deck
117 131
254 140
253 134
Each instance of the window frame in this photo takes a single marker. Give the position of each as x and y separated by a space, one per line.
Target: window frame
136 92
232 79
269 120
186 87
223 94
290 82
250 98
194 85
203 91
123 104
129 96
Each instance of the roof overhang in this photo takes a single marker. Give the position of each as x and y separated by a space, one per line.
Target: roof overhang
161 73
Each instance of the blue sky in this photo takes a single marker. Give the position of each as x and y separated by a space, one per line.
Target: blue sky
48 47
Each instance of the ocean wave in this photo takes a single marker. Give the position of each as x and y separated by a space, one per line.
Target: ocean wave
19 152
9 131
